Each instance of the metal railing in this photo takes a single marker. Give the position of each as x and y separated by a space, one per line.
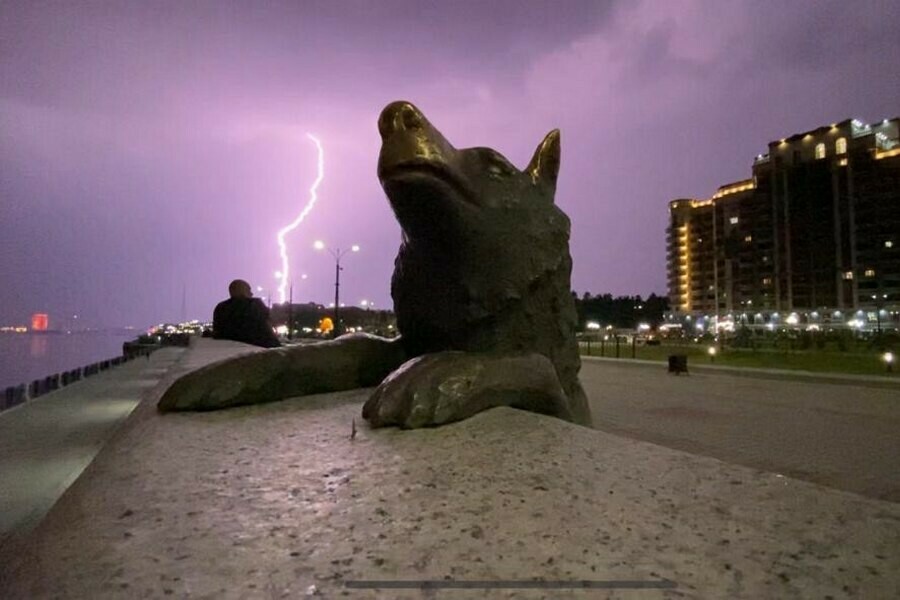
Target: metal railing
19 394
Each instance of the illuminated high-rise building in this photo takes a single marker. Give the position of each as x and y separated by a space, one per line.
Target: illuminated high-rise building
816 227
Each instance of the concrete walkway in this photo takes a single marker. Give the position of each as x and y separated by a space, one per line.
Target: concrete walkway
277 501
844 436
887 381
46 443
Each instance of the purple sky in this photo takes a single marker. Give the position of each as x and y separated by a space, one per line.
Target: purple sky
151 146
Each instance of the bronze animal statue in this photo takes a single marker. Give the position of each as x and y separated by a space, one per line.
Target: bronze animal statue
481 291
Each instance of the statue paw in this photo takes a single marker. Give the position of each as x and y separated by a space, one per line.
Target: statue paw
440 388
351 361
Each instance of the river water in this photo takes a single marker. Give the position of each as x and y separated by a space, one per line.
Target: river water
25 357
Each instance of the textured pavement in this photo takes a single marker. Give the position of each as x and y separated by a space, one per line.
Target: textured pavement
844 436
277 501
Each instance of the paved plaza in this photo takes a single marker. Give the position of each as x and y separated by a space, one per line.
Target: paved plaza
280 501
843 436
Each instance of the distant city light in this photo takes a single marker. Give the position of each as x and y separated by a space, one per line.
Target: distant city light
592 325
40 321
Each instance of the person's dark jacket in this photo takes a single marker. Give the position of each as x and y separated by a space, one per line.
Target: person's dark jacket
244 320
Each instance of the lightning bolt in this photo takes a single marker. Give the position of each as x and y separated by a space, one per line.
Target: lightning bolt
284 274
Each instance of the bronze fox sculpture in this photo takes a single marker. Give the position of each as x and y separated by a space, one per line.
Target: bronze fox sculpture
481 291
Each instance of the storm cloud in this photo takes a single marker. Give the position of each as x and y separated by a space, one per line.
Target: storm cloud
148 149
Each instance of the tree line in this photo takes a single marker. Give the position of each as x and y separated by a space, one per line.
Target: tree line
624 312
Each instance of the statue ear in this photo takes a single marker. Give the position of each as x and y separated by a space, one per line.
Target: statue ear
544 165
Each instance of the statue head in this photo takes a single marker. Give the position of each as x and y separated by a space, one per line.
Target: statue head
484 262
436 189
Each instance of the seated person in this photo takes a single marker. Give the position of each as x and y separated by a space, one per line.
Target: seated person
243 318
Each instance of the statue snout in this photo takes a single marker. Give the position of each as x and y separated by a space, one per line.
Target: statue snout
400 116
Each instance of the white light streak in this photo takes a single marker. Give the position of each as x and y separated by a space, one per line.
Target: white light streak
284 274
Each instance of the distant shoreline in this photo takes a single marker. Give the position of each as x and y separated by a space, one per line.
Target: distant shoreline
111 331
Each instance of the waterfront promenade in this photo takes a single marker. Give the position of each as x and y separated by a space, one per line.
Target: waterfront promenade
277 500
46 443
837 430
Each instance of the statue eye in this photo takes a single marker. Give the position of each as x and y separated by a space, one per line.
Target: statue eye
498 166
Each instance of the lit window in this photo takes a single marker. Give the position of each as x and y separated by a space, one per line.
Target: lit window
767 281
888 244
733 220
842 162
840 146
748 238
848 275
820 151
870 272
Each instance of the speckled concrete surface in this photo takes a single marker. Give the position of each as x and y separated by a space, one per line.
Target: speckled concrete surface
266 501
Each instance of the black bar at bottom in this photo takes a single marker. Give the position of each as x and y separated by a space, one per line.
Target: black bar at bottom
624 584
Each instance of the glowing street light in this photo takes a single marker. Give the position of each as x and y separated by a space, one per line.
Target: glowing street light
261 293
712 353
888 358
338 254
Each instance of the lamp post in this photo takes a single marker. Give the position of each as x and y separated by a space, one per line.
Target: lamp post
290 319
879 303
338 254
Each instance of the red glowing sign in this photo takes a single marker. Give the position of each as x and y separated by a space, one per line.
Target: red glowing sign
39 322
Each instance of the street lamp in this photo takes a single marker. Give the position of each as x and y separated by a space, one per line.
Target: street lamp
264 295
879 303
338 254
